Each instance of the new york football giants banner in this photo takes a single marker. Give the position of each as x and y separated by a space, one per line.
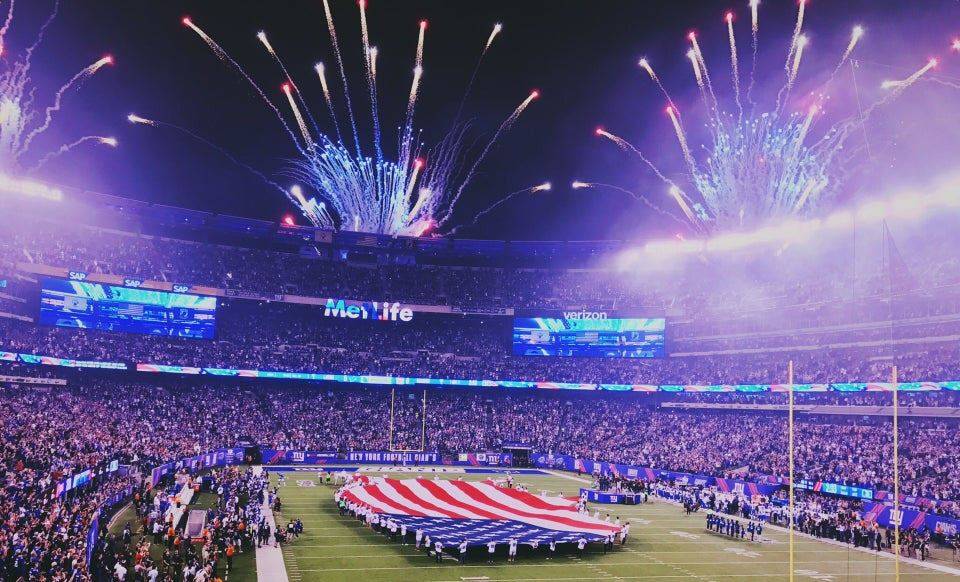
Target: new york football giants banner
284 457
215 458
476 512
480 460
569 463
392 457
886 516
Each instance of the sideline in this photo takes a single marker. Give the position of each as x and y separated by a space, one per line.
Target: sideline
270 565
889 556
565 476
882 555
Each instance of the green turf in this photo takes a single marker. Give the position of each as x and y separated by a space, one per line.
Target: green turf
661 547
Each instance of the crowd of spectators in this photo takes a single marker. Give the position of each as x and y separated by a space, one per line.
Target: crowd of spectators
777 289
51 433
153 424
235 524
444 347
736 321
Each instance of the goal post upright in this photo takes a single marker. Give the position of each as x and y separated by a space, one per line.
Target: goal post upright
393 398
896 472
790 456
423 423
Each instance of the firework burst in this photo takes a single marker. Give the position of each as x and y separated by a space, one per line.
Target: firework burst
22 118
348 183
760 164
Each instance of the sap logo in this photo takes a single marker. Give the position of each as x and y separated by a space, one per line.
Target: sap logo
181 288
584 315
78 276
384 311
135 283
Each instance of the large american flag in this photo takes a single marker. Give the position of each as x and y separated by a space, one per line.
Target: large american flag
478 512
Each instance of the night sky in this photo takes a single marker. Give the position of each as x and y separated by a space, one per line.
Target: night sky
580 54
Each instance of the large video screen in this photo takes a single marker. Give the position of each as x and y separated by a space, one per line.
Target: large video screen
588 334
84 305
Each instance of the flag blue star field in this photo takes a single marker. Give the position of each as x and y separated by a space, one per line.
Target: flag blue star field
478 512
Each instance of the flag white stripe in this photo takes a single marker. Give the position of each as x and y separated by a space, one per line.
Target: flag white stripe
488 497
389 489
546 521
419 490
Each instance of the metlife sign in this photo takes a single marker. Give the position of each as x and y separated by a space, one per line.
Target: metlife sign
370 310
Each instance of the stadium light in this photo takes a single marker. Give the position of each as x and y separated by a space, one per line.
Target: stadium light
30 188
906 205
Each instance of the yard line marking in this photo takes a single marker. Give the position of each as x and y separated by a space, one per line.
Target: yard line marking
618 564
564 476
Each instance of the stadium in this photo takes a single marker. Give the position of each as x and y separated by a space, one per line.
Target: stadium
722 346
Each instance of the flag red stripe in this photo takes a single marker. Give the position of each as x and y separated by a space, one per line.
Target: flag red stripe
442 495
532 500
375 492
405 492
479 497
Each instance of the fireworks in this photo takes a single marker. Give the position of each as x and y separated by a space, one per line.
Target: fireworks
543 187
22 120
580 185
355 184
760 164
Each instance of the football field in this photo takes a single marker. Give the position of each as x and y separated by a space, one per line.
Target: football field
664 545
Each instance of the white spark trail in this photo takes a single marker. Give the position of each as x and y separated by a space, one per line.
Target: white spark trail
75 81
221 54
734 63
108 141
343 74
754 41
504 127
578 185
544 187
